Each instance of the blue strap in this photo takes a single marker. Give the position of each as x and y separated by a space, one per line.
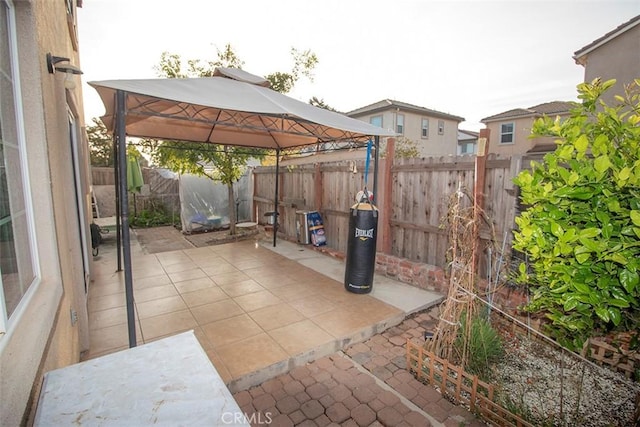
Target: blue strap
366 165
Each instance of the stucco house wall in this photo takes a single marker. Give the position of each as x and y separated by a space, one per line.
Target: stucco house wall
439 141
615 55
49 327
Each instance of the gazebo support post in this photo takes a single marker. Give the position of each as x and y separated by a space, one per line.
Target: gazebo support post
124 214
275 201
117 190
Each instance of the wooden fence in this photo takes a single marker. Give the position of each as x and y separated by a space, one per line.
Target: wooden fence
412 195
455 383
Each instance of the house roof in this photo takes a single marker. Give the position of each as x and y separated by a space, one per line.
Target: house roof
547 108
467 135
580 56
390 104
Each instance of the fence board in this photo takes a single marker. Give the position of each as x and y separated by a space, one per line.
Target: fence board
419 197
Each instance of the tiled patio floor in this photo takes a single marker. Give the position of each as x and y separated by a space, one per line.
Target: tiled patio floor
256 313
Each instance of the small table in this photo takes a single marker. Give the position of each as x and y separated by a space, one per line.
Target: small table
168 382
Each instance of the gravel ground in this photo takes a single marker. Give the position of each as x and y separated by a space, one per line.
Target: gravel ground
549 388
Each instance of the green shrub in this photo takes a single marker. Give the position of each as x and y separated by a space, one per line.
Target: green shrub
581 228
155 217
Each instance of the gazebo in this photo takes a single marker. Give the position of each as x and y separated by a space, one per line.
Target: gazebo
232 108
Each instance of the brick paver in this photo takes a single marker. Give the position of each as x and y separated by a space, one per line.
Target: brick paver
342 389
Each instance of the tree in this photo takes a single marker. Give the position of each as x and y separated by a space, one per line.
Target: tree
100 144
321 104
224 164
581 227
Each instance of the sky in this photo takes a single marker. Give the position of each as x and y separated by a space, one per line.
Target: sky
472 59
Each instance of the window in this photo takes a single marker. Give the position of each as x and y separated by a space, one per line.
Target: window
506 133
17 266
400 124
376 121
425 128
468 148
440 127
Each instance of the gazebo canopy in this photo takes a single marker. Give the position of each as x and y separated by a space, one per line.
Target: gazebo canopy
231 108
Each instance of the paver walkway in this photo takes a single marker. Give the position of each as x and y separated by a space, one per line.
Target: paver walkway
367 386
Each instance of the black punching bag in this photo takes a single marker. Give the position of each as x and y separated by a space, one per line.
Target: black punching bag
361 248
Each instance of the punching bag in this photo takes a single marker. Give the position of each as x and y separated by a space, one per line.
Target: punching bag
361 248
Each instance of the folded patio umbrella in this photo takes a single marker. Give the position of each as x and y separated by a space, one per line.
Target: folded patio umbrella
134 175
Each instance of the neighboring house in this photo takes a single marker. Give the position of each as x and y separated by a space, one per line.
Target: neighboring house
435 133
511 130
616 55
45 253
467 142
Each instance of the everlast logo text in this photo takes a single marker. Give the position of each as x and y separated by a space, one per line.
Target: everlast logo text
364 233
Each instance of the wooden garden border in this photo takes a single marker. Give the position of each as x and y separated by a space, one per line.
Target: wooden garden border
459 385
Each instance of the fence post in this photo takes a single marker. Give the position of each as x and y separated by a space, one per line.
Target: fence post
388 196
317 187
478 193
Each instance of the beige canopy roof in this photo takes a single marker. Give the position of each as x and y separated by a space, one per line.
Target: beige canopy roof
231 108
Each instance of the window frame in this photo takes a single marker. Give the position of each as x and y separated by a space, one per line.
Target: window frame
7 321
423 128
400 124
512 133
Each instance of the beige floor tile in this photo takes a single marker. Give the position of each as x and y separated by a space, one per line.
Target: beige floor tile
156 292
311 307
301 337
218 310
144 272
204 296
202 338
97 289
219 267
167 324
173 257
149 282
110 317
219 365
160 306
294 291
180 266
247 263
229 277
270 280
107 277
251 354
227 331
105 302
257 300
199 252
181 276
110 338
194 284
208 261
276 316
241 288
340 322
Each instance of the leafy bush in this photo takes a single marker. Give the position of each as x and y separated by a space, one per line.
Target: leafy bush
155 217
581 229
